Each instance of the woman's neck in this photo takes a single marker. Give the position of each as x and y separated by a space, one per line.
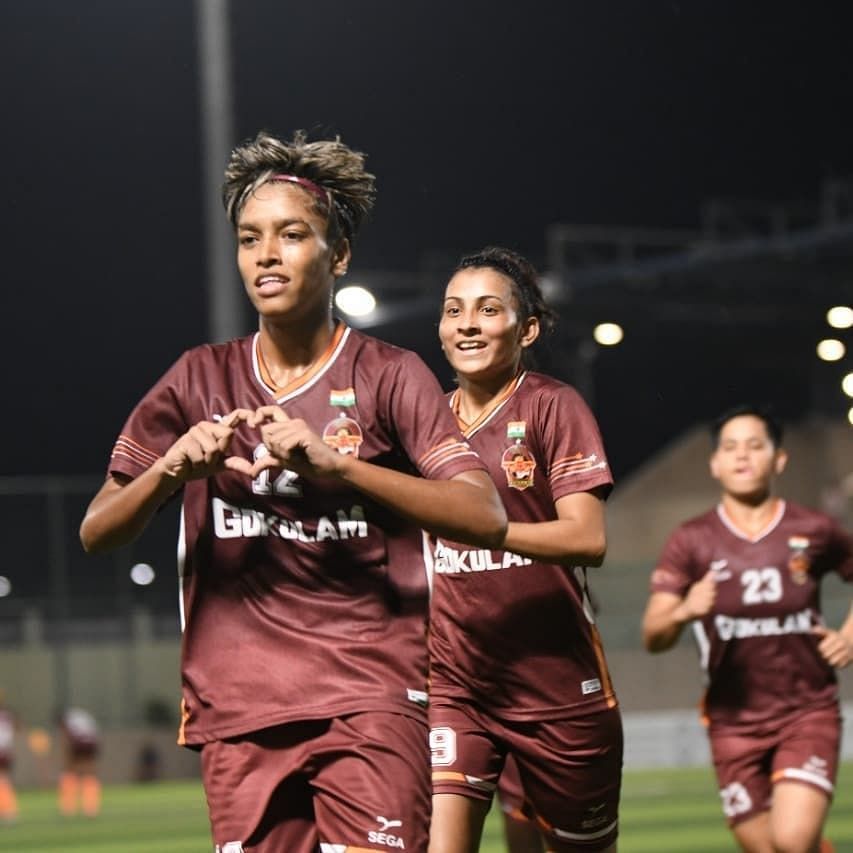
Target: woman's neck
289 351
750 514
475 398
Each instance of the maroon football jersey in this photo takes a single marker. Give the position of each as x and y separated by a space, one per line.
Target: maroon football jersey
301 597
514 634
756 645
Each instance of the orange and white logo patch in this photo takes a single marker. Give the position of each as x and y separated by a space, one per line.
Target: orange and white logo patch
799 562
518 464
344 435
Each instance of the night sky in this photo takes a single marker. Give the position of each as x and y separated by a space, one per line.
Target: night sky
484 121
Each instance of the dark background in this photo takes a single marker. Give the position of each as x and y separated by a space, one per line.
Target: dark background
485 122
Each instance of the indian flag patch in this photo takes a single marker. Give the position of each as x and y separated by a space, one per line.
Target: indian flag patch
343 398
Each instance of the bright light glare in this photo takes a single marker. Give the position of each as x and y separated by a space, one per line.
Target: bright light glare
830 349
355 300
5 586
608 334
840 317
850 415
847 384
142 574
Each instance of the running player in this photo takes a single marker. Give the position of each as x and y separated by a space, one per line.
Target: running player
79 786
516 666
747 575
304 590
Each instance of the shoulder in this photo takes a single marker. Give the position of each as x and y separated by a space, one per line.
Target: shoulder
547 387
368 345
798 513
549 395
695 529
699 523
209 359
217 353
372 357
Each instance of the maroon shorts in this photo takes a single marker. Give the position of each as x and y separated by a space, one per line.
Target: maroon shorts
81 750
360 782
570 769
749 760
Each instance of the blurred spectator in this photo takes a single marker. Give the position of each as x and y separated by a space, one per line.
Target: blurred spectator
8 799
79 785
148 763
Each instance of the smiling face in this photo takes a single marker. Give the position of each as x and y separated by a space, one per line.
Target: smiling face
745 459
481 332
287 265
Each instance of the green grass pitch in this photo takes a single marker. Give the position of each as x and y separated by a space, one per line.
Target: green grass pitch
664 811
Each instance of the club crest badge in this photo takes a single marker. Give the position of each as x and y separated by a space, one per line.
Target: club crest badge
798 562
344 435
517 461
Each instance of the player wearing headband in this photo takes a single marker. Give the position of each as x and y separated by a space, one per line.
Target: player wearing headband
309 457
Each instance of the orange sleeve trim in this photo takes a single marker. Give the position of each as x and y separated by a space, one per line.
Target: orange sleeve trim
448 776
134 450
185 715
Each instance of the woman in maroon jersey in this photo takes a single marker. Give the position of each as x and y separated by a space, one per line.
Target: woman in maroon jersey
304 587
516 665
747 576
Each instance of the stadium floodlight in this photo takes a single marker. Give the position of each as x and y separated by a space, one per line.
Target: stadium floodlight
847 384
5 586
142 574
608 334
840 317
355 300
831 349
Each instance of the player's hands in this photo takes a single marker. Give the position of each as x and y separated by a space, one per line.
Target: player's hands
700 598
290 444
203 449
835 648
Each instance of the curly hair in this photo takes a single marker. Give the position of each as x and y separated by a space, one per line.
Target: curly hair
329 163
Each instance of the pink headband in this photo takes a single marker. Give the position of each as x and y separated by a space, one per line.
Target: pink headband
315 189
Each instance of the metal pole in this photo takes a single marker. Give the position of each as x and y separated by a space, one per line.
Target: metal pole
58 569
226 310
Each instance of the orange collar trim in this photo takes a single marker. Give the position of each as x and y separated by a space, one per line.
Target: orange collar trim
494 404
315 367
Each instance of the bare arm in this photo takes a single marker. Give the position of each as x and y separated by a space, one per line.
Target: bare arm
667 613
576 537
122 508
836 647
466 508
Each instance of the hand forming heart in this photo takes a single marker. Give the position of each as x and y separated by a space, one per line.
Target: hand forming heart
290 443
